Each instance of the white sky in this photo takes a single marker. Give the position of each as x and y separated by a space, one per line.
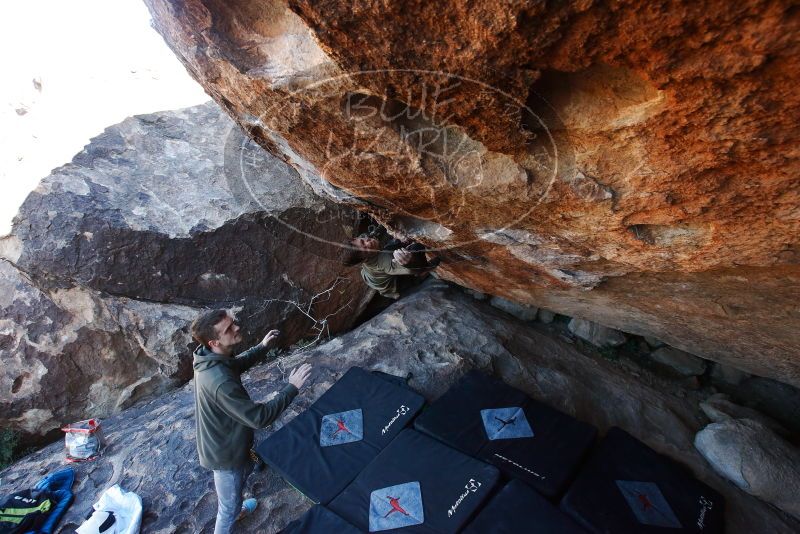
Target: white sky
99 61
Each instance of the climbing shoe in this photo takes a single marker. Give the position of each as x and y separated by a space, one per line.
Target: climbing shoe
248 507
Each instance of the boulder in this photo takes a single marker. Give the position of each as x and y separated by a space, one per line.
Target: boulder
754 458
719 408
596 334
520 311
477 295
774 398
679 361
71 353
653 342
725 374
180 207
435 334
114 254
546 316
601 163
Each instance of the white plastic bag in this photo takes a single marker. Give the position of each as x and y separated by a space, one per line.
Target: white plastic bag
117 511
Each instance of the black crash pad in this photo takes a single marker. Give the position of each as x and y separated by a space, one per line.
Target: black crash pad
627 487
416 484
322 450
319 520
516 509
482 416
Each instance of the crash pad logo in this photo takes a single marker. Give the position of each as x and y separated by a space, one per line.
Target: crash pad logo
471 487
648 504
396 507
401 411
342 427
506 423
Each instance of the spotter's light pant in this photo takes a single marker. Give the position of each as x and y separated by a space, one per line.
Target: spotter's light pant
229 485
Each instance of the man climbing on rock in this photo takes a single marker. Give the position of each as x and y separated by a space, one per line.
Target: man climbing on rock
225 414
383 261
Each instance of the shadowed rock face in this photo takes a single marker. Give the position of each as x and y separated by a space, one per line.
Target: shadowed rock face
435 335
181 207
633 165
115 253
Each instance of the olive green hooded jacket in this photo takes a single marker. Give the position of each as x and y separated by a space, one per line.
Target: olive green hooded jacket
380 272
224 412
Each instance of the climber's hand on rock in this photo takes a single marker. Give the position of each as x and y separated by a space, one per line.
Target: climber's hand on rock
299 375
402 256
271 336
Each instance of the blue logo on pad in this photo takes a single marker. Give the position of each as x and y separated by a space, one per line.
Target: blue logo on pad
395 507
342 427
648 504
506 423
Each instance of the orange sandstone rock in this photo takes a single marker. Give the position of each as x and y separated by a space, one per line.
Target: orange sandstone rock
634 164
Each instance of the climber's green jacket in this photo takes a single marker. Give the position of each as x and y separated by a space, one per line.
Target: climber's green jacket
225 414
380 272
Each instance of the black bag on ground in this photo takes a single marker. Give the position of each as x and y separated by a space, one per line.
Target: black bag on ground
517 508
525 439
322 450
23 511
319 520
627 487
416 484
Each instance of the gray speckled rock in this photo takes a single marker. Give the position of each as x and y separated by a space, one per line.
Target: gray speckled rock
754 458
114 254
596 334
679 361
69 353
435 334
180 207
